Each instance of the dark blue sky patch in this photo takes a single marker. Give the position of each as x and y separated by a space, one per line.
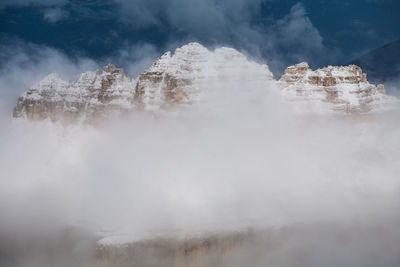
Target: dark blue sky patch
280 32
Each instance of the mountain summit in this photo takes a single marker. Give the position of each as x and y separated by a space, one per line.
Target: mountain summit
174 78
346 87
181 77
184 77
93 96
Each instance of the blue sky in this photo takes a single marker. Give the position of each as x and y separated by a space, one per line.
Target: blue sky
278 32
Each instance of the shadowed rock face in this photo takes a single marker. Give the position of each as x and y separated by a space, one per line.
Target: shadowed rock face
156 89
346 86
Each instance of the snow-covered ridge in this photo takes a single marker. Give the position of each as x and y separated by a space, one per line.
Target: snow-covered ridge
178 77
93 96
344 87
182 78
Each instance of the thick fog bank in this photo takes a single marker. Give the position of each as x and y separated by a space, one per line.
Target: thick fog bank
243 160
238 157
317 244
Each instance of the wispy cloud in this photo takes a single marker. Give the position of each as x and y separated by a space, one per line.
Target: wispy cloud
23 64
55 14
12 3
245 25
288 40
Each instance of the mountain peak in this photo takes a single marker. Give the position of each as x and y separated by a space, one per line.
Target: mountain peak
110 68
346 87
92 96
191 70
192 46
186 76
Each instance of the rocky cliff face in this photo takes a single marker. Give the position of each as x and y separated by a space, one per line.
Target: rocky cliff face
345 87
191 71
184 77
93 96
170 78
175 78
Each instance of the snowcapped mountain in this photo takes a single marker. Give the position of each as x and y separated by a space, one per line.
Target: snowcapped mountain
183 77
346 87
93 96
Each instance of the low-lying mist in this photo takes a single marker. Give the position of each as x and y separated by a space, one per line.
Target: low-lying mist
240 157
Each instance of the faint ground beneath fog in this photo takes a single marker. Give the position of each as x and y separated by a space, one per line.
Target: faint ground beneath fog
308 245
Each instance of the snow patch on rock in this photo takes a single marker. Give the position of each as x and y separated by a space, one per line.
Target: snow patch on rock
344 88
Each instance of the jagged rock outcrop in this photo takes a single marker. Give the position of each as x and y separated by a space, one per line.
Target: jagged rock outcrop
93 96
346 87
184 77
178 77
191 70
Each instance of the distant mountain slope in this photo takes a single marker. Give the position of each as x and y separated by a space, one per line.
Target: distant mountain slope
382 64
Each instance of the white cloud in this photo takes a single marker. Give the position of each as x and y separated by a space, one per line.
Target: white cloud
24 64
55 14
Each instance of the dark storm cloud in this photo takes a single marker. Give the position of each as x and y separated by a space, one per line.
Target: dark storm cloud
10 3
202 17
293 39
242 24
248 26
